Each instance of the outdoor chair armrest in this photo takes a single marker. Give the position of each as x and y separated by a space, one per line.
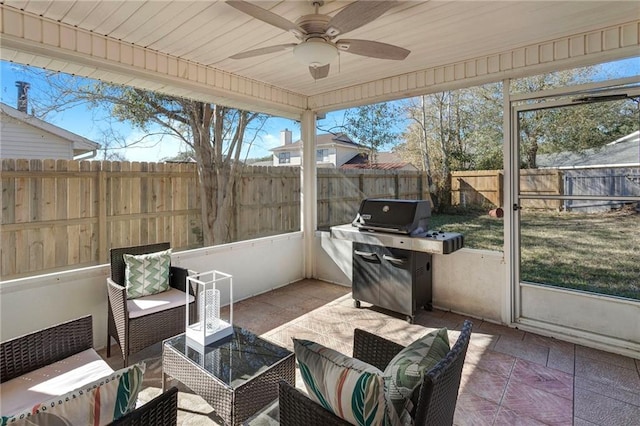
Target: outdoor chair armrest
374 350
297 409
160 411
117 294
178 279
35 350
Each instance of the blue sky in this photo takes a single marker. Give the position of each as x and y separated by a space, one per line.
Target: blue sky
94 124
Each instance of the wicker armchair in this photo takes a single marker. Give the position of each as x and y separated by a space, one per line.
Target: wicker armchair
135 334
32 351
437 396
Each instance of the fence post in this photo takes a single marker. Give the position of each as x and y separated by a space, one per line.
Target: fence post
396 184
560 187
500 188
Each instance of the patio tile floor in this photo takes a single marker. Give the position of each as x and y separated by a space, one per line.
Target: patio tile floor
510 377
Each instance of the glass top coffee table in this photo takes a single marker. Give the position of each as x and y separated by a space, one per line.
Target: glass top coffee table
238 376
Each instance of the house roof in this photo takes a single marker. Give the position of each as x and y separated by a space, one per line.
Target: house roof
383 161
323 140
620 153
81 144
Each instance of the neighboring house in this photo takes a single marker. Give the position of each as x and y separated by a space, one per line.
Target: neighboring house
382 161
623 152
331 150
335 151
612 170
23 136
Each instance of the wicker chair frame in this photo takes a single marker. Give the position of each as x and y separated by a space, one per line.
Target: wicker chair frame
135 334
437 396
32 351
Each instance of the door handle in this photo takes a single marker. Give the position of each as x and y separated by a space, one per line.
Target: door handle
365 254
394 260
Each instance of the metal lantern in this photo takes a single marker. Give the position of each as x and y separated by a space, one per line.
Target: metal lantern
209 327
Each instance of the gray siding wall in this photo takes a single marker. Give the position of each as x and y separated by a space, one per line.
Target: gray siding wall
21 141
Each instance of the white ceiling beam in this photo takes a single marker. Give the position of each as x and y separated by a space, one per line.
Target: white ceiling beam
607 44
31 40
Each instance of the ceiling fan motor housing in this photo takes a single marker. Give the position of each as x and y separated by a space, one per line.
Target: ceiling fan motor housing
314 25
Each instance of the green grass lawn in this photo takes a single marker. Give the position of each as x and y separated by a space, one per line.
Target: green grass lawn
592 252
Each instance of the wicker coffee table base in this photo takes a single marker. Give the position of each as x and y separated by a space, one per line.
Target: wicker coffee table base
234 406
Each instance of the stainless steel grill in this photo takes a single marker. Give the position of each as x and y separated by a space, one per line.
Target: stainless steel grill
392 254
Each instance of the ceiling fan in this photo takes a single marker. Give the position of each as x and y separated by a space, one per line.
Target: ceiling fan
317 32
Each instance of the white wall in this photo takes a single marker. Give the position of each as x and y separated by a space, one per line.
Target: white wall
474 283
294 158
344 154
590 319
471 282
33 303
19 140
468 281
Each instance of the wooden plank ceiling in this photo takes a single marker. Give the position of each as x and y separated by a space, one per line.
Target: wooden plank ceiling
438 33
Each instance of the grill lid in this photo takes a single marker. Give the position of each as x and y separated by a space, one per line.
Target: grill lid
397 216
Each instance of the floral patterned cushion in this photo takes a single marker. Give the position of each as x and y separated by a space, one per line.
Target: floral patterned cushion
406 371
95 404
147 274
349 388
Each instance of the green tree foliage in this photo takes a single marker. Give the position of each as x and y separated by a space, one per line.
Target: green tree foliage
372 126
577 128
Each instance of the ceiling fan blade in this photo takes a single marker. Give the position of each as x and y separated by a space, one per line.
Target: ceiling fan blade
372 49
266 16
356 15
319 72
262 51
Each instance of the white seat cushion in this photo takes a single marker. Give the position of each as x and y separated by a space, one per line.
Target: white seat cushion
55 379
156 302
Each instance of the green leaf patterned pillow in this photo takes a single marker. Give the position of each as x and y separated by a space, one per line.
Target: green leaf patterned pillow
147 274
349 388
98 403
406 371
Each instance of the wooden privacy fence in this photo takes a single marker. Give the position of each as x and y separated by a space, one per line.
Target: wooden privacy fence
484 188
62 213
340 191
267 202
478 188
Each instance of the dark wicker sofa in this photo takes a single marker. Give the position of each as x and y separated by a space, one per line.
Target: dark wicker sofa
30 352
436 397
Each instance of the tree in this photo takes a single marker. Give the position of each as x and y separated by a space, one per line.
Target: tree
372 126
447 132
462 129
214 132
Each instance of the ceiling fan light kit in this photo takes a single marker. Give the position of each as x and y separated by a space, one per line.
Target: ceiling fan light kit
316 33
315 52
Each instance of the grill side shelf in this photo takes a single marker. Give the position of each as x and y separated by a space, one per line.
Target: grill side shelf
438 243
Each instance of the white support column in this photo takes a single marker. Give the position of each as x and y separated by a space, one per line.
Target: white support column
309 196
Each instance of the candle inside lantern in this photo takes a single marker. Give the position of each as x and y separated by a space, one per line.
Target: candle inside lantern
209 308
